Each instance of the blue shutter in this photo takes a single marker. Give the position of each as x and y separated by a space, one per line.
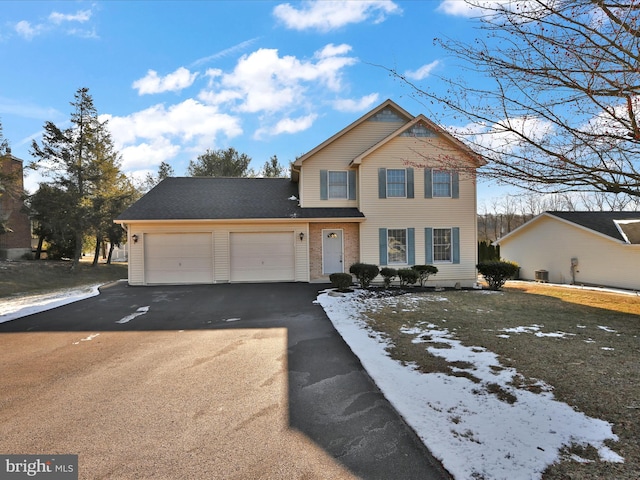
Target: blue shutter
383 246
455 185
409 182
411 246
455 240
428 246
382 183
324 193
352 184
428 184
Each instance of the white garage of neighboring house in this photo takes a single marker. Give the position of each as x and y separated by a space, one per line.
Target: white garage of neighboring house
584 248
219 230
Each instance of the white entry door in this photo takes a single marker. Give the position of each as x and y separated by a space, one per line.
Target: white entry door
332 252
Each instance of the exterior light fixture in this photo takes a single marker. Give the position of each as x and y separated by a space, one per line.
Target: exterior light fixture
134 238
301 236
332 235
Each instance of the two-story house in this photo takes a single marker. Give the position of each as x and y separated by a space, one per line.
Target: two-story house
389 189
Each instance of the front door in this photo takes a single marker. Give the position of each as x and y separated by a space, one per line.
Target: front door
332 252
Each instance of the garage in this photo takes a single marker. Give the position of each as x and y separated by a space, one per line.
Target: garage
262 256
174 258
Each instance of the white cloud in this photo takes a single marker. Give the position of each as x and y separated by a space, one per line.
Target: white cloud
145 156
147 137
287 125
474 8
29 30
325 15
265 81
226 52
423 72
349 105
80 16
173 82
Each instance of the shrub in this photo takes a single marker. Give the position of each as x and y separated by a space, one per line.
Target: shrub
424 272
408 276
388 274
496 273
364 272
341 281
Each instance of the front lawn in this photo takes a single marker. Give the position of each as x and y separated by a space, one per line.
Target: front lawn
524 354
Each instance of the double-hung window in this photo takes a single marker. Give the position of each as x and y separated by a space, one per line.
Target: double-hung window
441 183
442 245
396 182
338 185
396 245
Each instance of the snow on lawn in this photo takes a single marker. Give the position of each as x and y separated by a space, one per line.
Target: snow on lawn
472 432
16 307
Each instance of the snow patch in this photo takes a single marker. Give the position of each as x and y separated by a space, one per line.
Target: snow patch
137 313
466 425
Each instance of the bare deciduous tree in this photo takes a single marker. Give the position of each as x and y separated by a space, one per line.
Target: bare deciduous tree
560 110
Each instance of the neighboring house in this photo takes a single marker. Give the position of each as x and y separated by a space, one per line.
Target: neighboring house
589 248
15 242
389 189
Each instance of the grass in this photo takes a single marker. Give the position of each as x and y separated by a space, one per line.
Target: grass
594 367
37 276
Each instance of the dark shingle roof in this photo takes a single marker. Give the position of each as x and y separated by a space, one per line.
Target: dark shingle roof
196 198
602 222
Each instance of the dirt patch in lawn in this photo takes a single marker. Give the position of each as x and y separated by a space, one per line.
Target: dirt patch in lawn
37 276
585 344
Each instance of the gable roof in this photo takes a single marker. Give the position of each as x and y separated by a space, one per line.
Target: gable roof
216 198
421 119
387 103
609 224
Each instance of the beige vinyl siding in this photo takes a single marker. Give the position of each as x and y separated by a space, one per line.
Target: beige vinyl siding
338 156
418 212
221 251
550 244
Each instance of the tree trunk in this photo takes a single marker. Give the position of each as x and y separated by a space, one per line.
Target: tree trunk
96 254
112 246
39 248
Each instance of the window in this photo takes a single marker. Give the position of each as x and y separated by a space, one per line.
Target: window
396 245
442 245
338 185
441 183
396 183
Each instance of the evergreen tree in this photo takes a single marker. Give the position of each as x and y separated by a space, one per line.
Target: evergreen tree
272 168
220 163
82 163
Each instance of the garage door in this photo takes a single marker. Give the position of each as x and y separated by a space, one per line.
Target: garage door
262 257
178 258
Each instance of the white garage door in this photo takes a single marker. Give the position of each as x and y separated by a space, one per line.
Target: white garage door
178 258
262 257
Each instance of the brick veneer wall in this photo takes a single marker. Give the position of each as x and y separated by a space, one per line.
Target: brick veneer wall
350 239
14 244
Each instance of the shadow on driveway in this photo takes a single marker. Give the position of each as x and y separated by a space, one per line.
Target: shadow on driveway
332 400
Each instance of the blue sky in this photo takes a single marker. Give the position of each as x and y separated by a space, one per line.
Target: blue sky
177 77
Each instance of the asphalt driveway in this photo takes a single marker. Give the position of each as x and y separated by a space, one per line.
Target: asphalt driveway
224 381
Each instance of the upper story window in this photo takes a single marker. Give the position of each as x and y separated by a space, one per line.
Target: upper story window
396 182
338 185
441 183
